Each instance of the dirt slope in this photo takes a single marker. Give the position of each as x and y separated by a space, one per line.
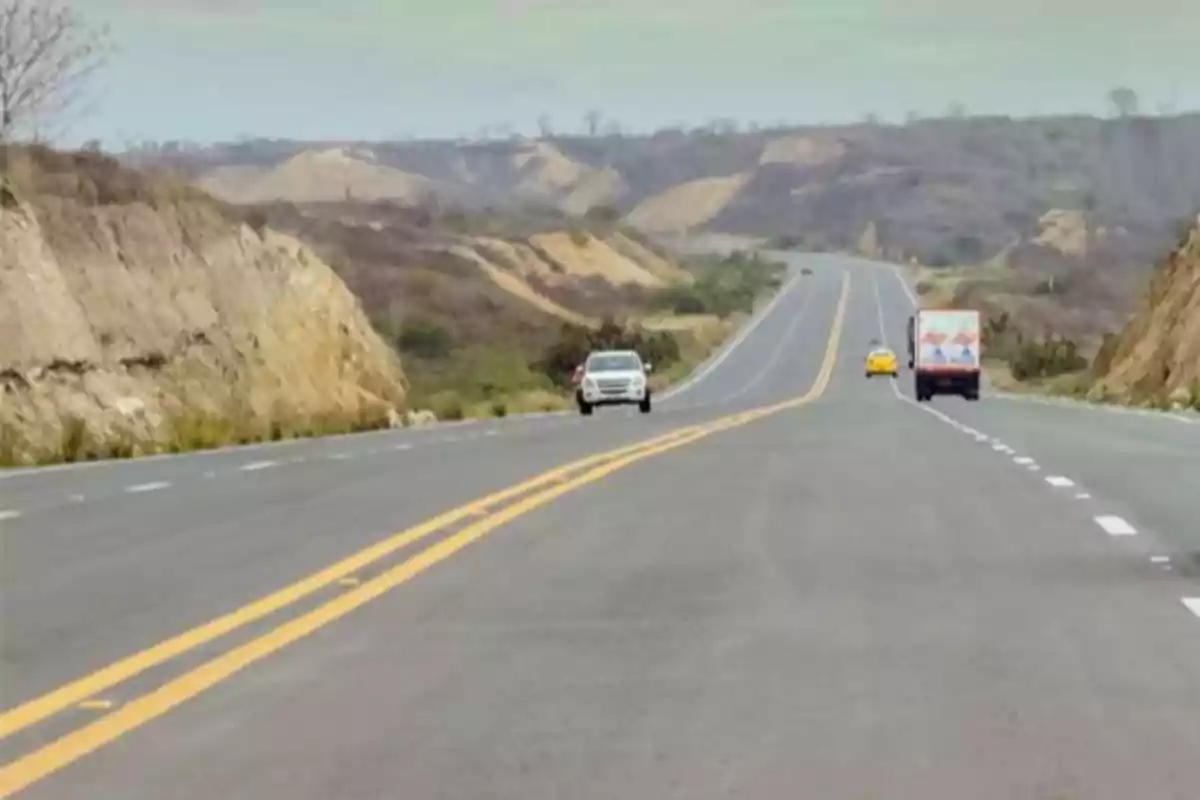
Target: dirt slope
136 317
315 176
1156 357
587 256
689 205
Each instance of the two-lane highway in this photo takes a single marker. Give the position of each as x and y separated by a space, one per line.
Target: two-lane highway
800 582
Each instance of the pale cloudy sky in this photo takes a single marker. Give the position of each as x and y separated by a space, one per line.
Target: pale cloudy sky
216 69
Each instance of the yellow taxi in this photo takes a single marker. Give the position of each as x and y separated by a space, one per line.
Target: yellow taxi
882 361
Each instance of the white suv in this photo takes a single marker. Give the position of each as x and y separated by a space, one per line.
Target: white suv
613 378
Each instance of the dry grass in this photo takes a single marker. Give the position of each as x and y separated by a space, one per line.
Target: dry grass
36 173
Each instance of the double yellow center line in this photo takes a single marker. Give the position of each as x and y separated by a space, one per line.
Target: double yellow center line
515 501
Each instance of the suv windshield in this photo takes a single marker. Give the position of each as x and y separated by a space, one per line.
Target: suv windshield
616 362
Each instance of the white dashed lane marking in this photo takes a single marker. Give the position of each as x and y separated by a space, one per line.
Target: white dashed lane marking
257 465
147 487
1115 526
9 515
405 446
1112 525
1193 604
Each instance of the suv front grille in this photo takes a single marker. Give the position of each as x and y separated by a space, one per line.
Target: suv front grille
612 386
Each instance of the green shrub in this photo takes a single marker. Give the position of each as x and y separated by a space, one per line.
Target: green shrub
1046 358
723 286
499 408
446 406
579 237
424 338
558 362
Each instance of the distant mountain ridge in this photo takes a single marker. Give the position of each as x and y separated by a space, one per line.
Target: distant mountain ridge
938 191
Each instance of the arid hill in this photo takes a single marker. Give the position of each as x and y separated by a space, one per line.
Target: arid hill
137 314
1156 358
482 275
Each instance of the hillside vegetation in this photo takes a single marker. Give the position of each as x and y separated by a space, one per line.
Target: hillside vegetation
139 315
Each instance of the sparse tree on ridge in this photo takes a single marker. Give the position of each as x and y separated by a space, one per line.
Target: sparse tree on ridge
1124 101
592 120
956 110
545 127
47 53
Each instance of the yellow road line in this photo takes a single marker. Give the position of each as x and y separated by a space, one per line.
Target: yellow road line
68 695
52 757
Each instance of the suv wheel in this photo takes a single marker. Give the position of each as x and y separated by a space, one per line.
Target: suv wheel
644 405
585 408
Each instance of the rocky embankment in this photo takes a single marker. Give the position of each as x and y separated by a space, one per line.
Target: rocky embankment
139 315
1156 358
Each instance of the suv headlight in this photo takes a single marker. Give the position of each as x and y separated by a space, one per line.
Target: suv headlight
589 384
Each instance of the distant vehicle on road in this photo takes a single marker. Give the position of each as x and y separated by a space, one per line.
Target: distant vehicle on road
613 378
944 352
882 361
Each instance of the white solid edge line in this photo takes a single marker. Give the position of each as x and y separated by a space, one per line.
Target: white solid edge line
1059 481
1067 402
257 465
146 487
1115 526
1192 604
728 350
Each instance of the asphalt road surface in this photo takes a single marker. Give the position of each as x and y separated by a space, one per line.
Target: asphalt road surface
787 581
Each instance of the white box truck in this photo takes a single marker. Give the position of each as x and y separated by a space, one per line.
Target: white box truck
944 353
